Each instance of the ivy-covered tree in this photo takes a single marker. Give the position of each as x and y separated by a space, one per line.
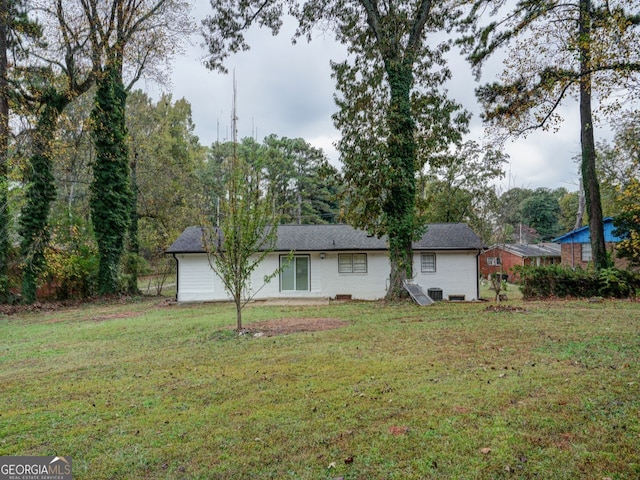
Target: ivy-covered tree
5 21
16 29
40 193
133 37
110 190
64 74
557 50
393 113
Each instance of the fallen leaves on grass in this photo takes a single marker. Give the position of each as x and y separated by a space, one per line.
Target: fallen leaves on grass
504 308
285 326
398 430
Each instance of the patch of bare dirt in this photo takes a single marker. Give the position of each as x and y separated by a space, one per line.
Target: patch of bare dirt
56 305
116 316
504 308
285 326
37 307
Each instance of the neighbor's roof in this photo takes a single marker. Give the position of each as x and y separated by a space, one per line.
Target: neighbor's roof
439 236
531 250
583 234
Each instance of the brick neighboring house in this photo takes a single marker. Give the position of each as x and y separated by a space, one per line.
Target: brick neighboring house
502 258
576 246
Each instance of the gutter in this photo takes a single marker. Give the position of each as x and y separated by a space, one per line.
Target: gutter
177 275
478 274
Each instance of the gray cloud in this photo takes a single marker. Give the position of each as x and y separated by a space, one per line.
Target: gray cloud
287 90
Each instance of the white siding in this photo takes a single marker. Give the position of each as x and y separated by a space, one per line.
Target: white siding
371 285
196 279
456 273
325 281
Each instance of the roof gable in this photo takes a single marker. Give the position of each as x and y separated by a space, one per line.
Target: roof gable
332 237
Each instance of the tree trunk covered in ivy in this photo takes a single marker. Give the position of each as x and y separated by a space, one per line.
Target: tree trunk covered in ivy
399 206
394 116
40 193
143 34
111 195
4 154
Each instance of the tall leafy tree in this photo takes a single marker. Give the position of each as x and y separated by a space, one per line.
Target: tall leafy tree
508 211
110 193
628 221
541 211
62 72
303 183
560 49
4 151
625 152
15 28
213 175
132 37
392 114
458 187
166 157
527 215
617 161
303 186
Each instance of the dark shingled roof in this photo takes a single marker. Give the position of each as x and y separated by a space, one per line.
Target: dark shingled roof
528 250
448 236
439 236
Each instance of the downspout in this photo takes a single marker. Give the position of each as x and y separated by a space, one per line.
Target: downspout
177 275
478 274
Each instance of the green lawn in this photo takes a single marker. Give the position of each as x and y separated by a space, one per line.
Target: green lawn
142 390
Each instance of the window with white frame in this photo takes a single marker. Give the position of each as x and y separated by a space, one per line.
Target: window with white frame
493 261
428 262
352 263
586 252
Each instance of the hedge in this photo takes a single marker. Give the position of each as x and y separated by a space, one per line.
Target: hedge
559 281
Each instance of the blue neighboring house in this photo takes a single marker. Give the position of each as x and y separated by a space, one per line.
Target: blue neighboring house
575 246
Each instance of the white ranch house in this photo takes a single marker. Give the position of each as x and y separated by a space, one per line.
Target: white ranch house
338 261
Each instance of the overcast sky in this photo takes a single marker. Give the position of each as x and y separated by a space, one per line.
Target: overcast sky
287 90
